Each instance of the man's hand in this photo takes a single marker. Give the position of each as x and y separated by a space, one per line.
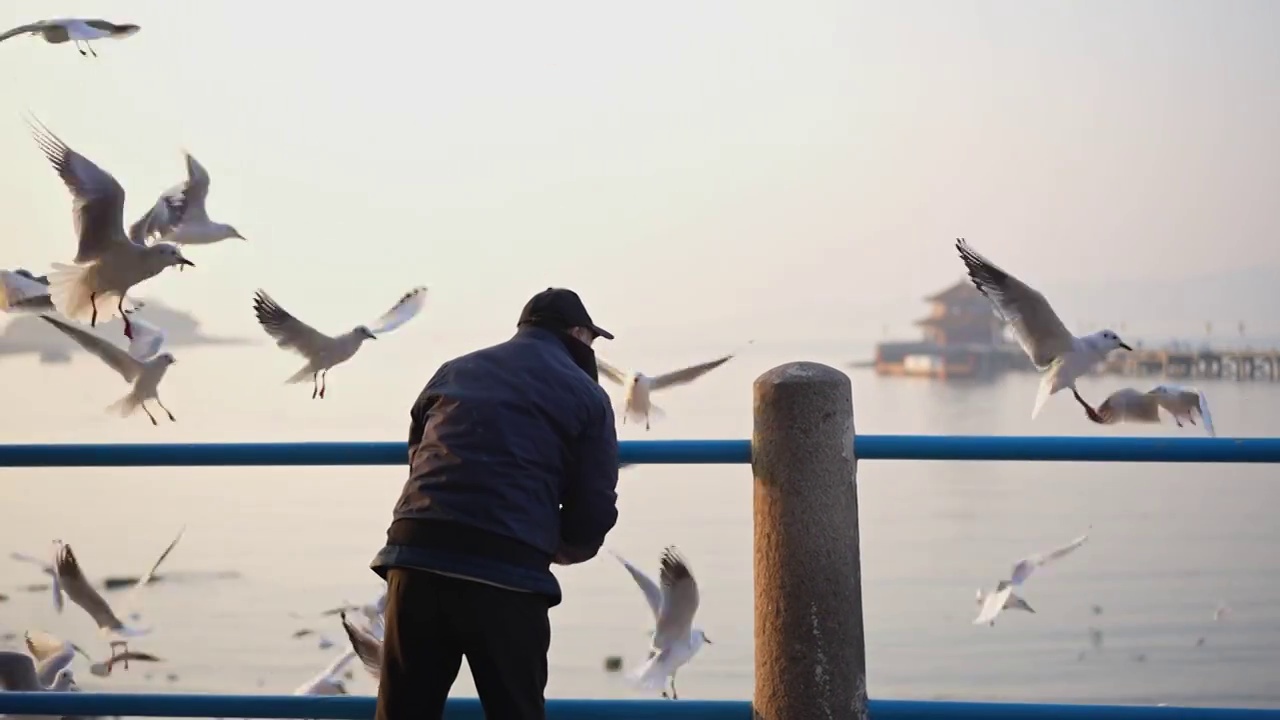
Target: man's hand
568 555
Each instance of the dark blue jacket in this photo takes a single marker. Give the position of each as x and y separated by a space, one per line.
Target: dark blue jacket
513 456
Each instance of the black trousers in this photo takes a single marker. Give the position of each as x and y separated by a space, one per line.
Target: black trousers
432 621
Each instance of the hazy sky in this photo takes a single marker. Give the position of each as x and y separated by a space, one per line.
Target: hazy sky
768 167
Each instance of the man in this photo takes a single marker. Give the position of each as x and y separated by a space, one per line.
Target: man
513 465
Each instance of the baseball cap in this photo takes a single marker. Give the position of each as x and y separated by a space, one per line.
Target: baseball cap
560 306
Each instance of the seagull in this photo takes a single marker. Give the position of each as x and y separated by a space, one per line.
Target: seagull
73 581
322 351
50 654
179 215
23 292
329 680
144 371
77 30
367 646
1039 331
107 263
45 647
1003 597
18 674
638 386
675 639
1129 405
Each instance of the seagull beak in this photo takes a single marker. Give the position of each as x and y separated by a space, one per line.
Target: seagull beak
1126 347
707 640
184 261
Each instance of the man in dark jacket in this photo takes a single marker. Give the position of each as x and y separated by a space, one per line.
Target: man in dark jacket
513 465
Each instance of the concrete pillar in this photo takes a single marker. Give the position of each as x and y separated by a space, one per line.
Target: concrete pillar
810 651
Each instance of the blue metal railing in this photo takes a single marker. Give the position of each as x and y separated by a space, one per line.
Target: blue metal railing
868 447
683 452
361 708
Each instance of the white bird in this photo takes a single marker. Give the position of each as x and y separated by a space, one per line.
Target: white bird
1003 597
144 371
23 292
1182 403
638 387
18 673
329 680
77 30
179 215
1039 331
990 604
49 652
322 351
675 639
107 263
77 587
367 646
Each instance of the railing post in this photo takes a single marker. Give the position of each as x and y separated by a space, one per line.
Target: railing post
810 660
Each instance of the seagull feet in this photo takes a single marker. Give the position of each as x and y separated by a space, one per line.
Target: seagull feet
1088 409
93 297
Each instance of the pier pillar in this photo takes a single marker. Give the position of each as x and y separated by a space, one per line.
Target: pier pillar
810 652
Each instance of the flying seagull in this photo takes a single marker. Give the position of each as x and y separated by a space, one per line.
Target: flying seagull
673 603
77 30
144 370
638 387
367 646
1003 597
77 587
329 680
179 215
1039 331
107 263
322 351
1129 405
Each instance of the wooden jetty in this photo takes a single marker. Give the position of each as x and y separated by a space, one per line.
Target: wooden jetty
1242 364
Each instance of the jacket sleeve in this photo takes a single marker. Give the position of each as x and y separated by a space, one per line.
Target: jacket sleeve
418 413
589 508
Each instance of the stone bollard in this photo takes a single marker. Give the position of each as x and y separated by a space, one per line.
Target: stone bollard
810 661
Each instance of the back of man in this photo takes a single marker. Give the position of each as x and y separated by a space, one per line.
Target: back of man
513 458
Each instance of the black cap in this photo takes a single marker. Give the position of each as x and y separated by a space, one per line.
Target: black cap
560 306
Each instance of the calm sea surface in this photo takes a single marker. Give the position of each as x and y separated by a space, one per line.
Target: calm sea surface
1169 542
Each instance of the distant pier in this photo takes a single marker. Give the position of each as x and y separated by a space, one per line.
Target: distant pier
1241 365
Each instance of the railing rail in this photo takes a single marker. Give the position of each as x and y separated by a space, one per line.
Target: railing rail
679 452
361 708
806 453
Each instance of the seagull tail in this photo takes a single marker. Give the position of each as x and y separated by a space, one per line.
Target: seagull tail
302 375
71 290
651 676
125 406
1047 388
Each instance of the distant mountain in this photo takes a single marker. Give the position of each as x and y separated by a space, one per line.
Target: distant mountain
28 334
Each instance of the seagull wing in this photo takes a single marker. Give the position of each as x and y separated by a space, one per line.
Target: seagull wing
147 339
689 374
679 600
993 603
367 647
82 593
161 219
611 372
98 200
652 594
1037 327
326 676
1204 413
17 289
1023 569
1129 405
23 29
288 331
142 581
51 654
116 358
195 191
409 305
18 672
